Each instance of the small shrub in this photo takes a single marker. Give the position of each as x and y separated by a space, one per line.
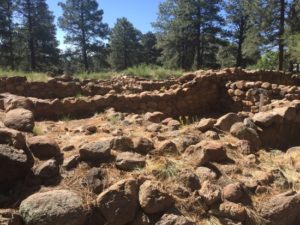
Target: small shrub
168 169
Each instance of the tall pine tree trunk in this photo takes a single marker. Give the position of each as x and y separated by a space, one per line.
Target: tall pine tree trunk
239 58
10 27
83 40
281 33
198 38
30 37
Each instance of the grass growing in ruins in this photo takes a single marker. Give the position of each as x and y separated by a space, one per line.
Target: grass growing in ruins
152 72
145 71
37 130
31 76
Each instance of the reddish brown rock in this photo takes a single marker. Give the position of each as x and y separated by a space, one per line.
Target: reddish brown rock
19 119
205 124
233 192
282 209
119 203
153 199
211 193
233 211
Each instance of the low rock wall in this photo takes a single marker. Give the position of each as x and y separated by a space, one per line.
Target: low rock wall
199 93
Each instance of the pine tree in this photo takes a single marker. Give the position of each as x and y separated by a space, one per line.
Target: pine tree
272 29
82 20
150 52
125 45
47 52
6 34
38 31
293 33
188 32
238 18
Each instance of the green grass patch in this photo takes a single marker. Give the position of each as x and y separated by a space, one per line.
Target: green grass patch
152 72
145 71
31 76
105 75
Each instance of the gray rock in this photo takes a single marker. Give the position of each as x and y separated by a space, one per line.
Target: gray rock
59 207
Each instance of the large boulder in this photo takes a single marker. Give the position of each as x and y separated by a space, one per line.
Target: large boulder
95 151
119 203
225 122
282 209
19 119
12 137
43 147
129 161
153 199
241 131
266 119
59 207
15 164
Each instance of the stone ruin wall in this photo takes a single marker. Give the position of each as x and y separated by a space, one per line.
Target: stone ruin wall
199 93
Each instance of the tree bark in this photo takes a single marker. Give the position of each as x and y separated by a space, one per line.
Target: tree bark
83 40
198 38
281 33
241 39
11 50
31 45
